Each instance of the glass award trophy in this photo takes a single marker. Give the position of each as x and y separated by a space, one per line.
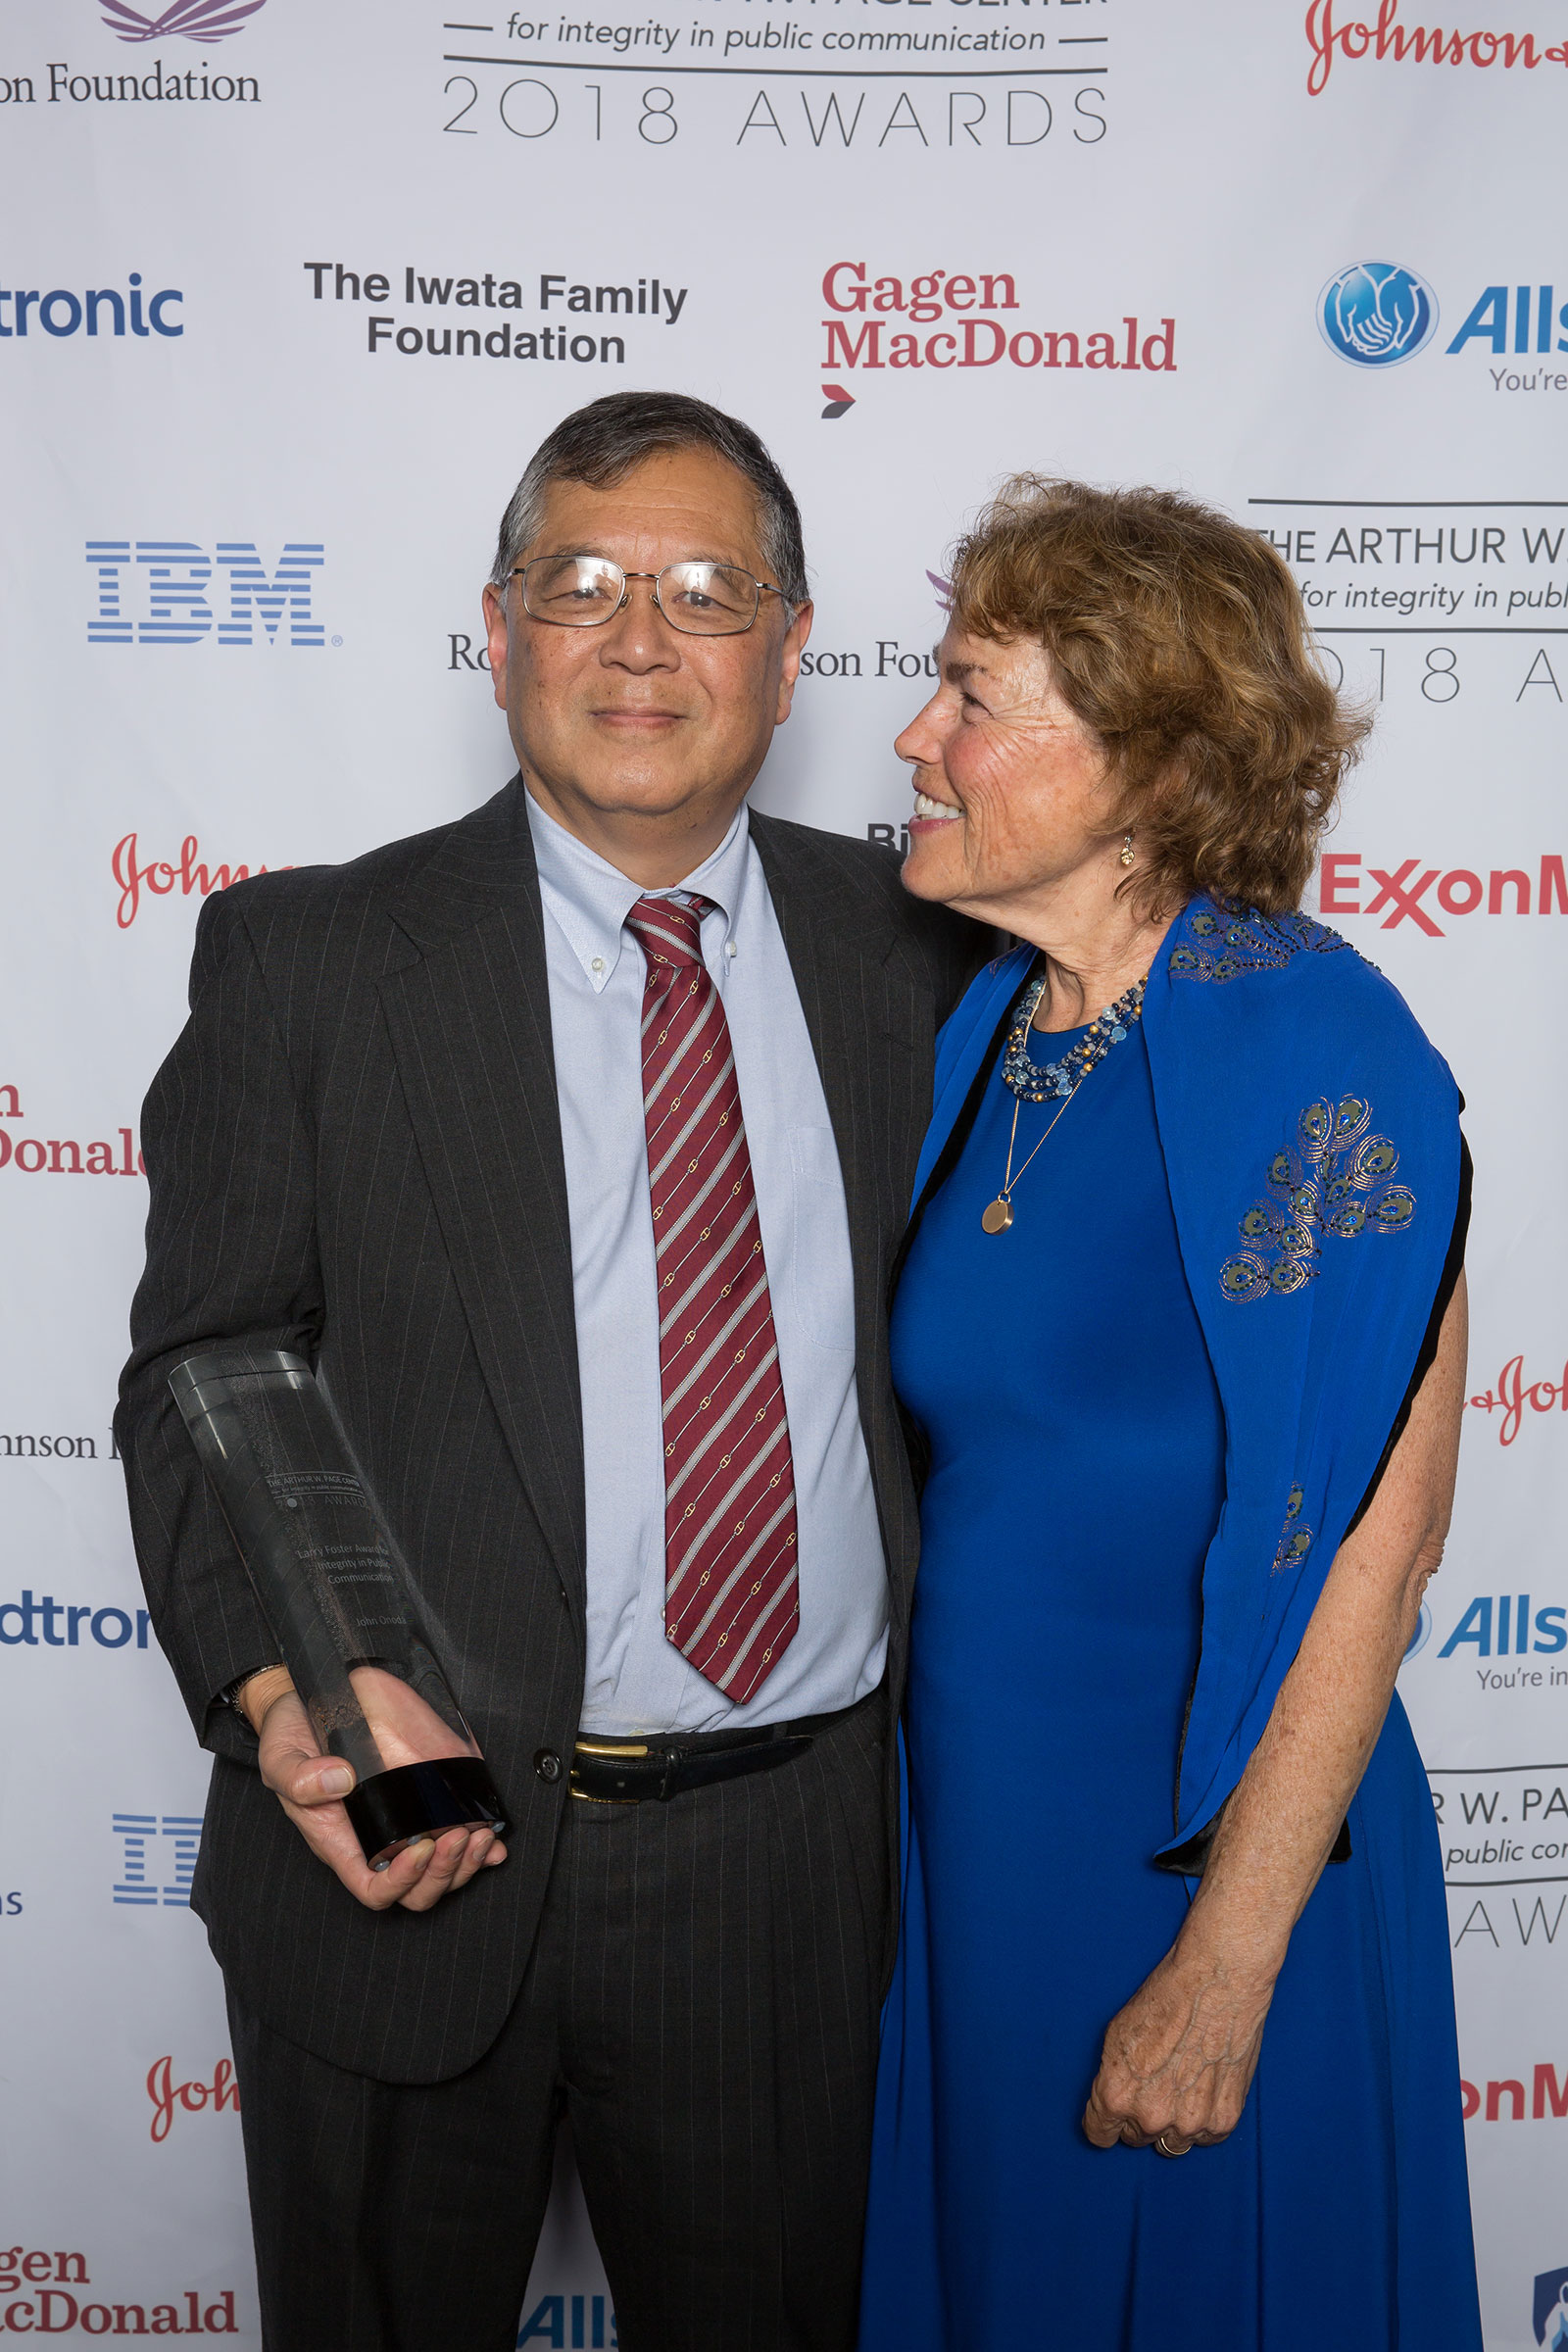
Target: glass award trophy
336 1594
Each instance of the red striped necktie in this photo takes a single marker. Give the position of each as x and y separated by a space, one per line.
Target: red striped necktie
731 1597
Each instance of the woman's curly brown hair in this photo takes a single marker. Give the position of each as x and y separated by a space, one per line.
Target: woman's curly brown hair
1179 637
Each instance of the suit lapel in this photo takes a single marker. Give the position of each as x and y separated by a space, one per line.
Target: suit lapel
860 999
469 1022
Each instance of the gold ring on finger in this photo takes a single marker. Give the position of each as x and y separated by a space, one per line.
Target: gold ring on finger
1159 2144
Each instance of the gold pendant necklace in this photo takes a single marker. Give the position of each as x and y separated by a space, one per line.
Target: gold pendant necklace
996 1215
1110 1029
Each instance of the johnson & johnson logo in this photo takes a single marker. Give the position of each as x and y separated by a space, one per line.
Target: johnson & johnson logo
1514 1393
161 875
1387 39
190 2098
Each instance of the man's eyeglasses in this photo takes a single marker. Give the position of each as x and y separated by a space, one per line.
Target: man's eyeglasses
583 592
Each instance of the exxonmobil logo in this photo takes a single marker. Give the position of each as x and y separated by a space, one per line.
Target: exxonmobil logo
1503 2100
1415 891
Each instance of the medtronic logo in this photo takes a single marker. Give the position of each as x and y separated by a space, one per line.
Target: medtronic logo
60 312
178 574
1377 314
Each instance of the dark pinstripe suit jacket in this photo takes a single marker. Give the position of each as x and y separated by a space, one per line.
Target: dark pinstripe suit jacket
354 1150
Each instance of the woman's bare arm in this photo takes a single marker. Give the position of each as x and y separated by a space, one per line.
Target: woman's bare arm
1179 2058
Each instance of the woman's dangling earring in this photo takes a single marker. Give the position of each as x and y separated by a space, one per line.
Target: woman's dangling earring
1126 858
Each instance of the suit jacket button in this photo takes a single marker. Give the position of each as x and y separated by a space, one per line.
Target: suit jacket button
547 1764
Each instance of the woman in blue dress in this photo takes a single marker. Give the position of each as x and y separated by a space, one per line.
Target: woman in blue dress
1170 2058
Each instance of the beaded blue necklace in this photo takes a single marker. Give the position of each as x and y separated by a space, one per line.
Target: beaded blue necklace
1060 1080
1033 1081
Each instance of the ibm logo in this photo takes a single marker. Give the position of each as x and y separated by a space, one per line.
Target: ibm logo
143 1863
174 576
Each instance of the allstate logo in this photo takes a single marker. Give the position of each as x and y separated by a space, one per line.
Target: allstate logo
1422 1634
1551 2310
1376 314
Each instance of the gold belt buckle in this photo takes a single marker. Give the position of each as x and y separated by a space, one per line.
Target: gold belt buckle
610 1748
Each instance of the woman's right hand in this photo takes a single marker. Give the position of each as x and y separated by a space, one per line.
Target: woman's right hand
1179 2058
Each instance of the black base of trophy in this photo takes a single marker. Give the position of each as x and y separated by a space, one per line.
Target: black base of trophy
419 1800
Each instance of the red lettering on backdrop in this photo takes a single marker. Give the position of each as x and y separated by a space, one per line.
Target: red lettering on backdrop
1336 891
1513 1394
166 2093
1422 44
61 1155
160 877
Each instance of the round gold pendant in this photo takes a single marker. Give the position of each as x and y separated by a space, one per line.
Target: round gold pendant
996 1215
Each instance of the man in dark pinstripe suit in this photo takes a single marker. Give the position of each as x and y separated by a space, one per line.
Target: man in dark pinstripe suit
572 1143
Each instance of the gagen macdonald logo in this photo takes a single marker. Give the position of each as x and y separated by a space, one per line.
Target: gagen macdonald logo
62 1155
48 2282
172 585
1377 314
886 323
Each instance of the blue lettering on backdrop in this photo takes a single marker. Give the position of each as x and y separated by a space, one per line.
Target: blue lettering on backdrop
1509 1616
57 1624
591 2328
138 1884
62 313
179 574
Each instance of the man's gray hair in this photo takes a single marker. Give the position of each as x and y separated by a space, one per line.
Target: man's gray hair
605 440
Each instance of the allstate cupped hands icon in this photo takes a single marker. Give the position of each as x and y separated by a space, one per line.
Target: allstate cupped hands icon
1376 314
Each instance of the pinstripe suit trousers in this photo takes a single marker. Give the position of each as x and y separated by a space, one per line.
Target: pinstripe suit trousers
701 2000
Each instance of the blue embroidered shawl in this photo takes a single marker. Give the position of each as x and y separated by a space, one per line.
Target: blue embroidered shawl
1312 1149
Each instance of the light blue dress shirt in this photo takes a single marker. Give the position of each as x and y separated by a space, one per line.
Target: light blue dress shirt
636 1680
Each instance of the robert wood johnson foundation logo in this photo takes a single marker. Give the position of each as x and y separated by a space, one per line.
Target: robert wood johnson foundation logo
184 19
1377 314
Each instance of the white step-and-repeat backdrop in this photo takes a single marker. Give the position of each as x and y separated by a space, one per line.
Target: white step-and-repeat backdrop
291 293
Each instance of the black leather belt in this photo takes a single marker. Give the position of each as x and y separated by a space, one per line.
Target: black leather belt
664 1764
